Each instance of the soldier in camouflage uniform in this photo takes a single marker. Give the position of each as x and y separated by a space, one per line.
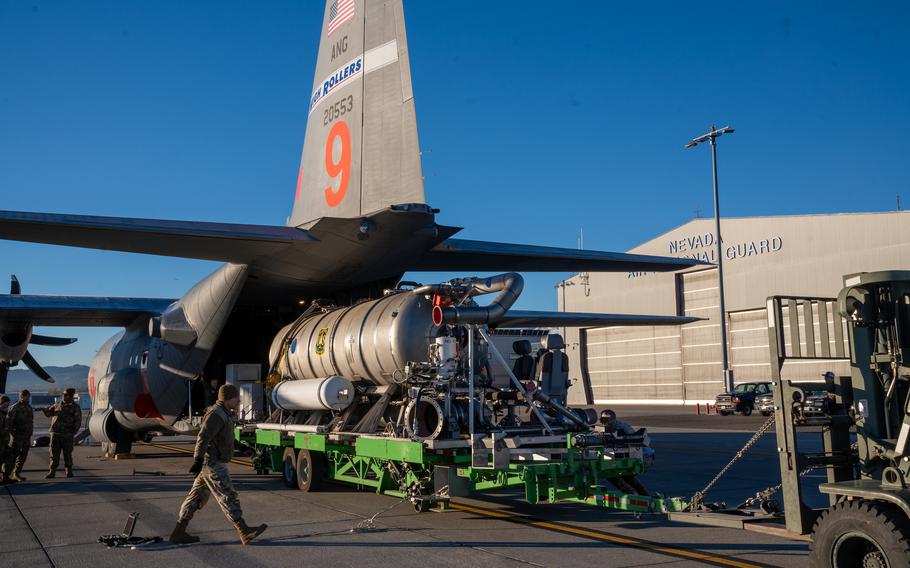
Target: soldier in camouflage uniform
214 450
66 419
21 420
4 439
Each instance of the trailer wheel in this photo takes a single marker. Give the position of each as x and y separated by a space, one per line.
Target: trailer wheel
310 469
860 533
289 468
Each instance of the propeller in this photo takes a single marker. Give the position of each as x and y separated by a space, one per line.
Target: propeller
15 289
36 368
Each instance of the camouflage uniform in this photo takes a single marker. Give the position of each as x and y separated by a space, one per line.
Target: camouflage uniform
66 421
21 420
216 445
4 442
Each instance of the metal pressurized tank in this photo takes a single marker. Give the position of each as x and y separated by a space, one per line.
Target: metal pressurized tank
330 393
371 340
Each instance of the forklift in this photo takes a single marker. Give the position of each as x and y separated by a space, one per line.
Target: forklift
867 522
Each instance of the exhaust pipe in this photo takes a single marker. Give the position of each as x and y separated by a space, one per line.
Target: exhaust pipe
509 286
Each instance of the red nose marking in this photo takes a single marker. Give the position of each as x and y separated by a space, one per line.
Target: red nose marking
145 407
91 382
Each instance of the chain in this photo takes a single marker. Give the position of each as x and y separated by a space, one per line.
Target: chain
369 524
762 496
698 499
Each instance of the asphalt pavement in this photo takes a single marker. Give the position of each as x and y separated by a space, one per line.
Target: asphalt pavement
57 522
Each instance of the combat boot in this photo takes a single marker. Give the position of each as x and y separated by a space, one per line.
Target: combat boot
69 472
51 474
8 480
180 536
18 477
248 533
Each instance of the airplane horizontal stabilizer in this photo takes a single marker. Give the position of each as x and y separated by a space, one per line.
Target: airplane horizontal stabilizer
79 311
459 254
522 318
227 242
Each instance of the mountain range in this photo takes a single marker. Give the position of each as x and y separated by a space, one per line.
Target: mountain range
75 376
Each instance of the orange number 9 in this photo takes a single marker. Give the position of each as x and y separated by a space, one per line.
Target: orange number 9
342 167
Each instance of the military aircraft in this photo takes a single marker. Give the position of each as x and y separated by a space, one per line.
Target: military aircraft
360 220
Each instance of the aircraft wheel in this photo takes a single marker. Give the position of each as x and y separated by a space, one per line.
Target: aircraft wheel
289 468
310 469
860 533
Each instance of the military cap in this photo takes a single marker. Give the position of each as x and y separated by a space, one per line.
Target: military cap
227 392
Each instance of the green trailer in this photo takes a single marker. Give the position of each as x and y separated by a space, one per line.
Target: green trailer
430 474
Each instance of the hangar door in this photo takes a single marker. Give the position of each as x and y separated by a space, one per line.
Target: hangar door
634 363
700 341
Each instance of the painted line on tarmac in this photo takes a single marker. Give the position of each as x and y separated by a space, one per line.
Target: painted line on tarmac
604 536
247 463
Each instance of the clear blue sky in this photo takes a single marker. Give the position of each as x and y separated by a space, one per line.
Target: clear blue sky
536 119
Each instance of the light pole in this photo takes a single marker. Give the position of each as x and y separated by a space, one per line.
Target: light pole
711 137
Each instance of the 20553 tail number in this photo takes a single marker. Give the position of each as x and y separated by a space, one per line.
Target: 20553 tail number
337 110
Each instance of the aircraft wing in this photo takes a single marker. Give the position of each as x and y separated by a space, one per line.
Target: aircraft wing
522 318
482 256
78 310
188 239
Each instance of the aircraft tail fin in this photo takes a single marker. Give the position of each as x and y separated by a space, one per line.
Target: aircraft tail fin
360 152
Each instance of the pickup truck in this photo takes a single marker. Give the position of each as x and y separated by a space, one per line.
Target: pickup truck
742 399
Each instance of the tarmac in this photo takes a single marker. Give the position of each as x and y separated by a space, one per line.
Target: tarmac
57 522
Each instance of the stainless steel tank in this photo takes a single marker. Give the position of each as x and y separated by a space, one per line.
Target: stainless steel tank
330 393
371 341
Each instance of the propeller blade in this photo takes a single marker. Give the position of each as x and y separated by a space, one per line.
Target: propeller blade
47 340
4 371
14 288
36 368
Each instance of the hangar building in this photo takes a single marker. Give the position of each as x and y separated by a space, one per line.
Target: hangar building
802 255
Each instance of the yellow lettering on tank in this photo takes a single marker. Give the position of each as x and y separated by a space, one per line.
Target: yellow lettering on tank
320 341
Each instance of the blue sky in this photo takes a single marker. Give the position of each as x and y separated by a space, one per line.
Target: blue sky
535 120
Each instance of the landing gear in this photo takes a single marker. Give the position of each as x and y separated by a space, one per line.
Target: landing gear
310 470
860 533
289 468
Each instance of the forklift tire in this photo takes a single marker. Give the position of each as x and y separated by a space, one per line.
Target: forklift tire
860 533
725 413
310 470
747 410
289 468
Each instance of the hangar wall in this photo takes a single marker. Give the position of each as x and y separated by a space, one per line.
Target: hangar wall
791 255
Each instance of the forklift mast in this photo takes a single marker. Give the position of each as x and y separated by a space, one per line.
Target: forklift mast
869 325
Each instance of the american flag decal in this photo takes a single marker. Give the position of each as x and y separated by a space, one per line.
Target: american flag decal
340 12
